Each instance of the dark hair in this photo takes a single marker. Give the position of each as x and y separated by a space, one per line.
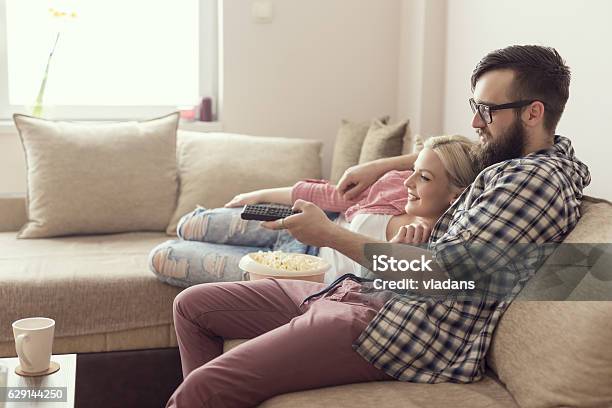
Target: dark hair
539 73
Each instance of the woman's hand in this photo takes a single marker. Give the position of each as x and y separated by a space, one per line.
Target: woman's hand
416 233
357 179
254 197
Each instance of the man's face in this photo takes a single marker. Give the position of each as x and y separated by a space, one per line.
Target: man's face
505 137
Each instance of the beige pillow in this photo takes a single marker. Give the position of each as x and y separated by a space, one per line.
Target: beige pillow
214 167
104 178
383 141
557 353
347 146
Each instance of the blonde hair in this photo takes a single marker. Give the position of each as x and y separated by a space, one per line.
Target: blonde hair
455 153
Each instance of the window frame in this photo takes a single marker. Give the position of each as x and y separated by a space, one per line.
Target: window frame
209 61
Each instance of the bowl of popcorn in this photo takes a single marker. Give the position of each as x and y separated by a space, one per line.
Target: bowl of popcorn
283 265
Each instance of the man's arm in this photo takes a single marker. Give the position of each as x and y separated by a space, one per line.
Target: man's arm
354 246
495 240
311 226
358 178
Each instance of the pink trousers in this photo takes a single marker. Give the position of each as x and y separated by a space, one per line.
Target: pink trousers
293 347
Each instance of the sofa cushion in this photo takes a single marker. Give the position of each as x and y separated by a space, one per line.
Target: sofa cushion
384 140
214 167
558 353
160 336
483 394
88 284
486 393
347 146
13 210
104 178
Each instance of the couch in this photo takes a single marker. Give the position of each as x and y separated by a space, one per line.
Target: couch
104 299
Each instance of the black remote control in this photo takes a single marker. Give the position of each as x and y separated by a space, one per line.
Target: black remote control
266 212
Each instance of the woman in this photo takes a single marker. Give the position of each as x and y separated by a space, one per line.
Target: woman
301 339
213 241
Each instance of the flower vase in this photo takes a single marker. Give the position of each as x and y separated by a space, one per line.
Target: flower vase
38 108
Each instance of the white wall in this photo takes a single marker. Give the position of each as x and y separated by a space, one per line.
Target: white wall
318 61
422 65
322 60
579 30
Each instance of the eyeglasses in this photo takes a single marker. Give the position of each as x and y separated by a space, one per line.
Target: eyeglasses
485 111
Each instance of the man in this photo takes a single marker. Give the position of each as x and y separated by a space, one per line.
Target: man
530 192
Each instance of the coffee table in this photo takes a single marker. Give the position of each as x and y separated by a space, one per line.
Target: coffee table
41 387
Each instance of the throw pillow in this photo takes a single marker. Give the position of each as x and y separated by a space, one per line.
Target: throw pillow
383 141
214 167
347 146
104 178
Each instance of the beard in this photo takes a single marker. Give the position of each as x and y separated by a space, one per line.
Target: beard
508 145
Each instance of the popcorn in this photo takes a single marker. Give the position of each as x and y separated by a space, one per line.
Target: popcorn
287 262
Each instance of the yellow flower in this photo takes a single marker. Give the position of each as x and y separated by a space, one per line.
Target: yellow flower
60 14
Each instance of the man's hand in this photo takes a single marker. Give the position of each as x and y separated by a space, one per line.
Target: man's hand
416 233
311 226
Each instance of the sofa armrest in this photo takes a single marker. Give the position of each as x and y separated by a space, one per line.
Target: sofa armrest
12 212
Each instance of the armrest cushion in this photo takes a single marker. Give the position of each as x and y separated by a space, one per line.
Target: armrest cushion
12 212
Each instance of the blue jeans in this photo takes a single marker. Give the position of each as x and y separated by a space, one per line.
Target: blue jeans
210 245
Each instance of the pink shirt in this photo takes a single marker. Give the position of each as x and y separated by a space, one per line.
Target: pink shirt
386 196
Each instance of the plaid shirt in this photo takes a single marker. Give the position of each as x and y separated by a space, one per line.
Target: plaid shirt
532 199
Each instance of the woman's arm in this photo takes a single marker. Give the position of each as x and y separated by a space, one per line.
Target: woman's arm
322 194
319 192
281 195
358 178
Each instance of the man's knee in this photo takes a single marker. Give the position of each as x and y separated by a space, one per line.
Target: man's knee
185 301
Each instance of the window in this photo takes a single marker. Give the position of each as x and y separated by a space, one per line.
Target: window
113 59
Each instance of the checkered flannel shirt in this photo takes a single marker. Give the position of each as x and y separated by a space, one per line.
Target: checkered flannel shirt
533 199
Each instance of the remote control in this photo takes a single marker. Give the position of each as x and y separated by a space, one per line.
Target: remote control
266 212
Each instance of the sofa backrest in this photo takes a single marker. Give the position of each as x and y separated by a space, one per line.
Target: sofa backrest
559 353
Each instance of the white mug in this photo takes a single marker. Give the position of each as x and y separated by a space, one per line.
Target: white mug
34 343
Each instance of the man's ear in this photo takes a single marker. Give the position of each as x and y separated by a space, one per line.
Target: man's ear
533 114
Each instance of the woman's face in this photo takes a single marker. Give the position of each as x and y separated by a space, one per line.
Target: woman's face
430 192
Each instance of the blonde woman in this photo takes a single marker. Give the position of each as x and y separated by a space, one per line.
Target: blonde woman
314 334
402 206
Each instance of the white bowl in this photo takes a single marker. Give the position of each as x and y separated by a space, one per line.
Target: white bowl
257 270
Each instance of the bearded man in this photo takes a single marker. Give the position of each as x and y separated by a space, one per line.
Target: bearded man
530 192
